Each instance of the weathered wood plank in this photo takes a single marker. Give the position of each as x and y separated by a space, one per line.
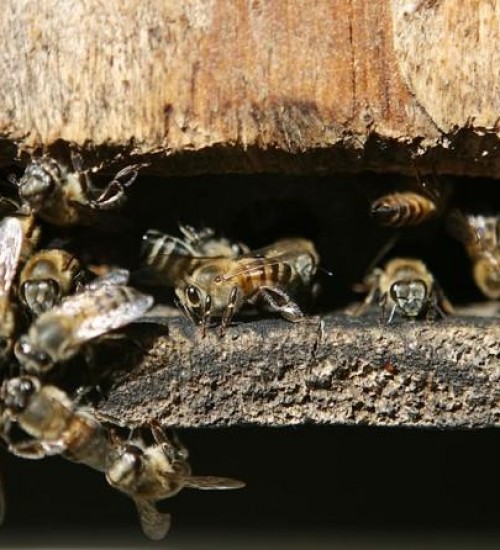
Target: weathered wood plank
256 85
334 370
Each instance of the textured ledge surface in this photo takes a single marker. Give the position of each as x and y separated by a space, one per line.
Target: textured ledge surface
330 370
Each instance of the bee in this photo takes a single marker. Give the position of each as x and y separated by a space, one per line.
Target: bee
58 334
46 277
412 207
407 287
170 256
11 242
481 238
64 196
54 422
221 286
205 243
150 473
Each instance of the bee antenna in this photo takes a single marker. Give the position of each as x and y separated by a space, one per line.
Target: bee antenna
325 271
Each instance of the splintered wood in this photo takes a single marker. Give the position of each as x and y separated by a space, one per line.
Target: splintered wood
323 371
256 85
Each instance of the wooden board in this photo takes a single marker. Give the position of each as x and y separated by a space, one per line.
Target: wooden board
256 85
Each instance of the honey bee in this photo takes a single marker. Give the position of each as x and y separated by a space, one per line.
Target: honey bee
481 238
170 256
58 334
221 286
55 424
48 276
407 287
11 242
205 243
152 473
412 207
64 196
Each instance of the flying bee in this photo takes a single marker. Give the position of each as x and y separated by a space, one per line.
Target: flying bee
169 256
411 207
64 196
221 286
55 424
407 287
46 277
58 334
11 242
481 237
150 473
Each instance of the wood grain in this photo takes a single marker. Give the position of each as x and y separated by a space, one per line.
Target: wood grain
255 85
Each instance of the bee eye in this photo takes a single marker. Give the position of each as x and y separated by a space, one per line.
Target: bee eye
43 360
193 296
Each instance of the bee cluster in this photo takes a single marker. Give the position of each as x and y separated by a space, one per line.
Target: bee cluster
55 308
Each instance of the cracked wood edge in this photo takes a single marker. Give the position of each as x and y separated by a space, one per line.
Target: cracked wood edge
333 370
254 86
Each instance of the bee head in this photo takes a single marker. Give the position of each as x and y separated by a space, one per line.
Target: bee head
32 358
16 392
410 296
194 301
125 470
39 295
38 182
487 276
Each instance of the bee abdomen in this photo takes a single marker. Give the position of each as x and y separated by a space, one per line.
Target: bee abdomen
402 209
266 275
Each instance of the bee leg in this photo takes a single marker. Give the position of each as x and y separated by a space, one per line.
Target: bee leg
172 447
8 206
186 311
382 302
111 198
440 300
207 311
132 170
360 309
229 311
34 450
78 167
391 316
278 300
196 236
155 524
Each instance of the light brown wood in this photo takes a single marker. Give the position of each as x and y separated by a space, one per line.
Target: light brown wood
256 85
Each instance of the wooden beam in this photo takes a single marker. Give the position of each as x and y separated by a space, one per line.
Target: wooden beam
255 85
331 370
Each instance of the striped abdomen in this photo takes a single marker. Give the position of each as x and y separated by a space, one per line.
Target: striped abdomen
166 254
403 209
260 273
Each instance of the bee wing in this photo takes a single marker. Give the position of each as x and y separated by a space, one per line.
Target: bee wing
258 264
155 524
211 483
11 240
117 276
108 307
